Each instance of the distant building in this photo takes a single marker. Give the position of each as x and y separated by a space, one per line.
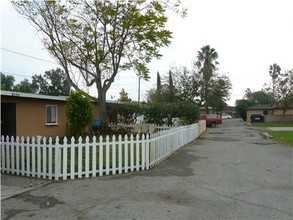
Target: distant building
271 113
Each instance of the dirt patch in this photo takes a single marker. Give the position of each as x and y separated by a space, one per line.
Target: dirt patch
44 202
10 213
228 139
262 143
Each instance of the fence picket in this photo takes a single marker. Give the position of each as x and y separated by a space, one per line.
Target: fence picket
107 155
131 153
64 170
57 161
147 152
137 152
114 155
120 154
50 158
33 158
126 143
72 158
28 156
80 157
44 157
12 168
22 156
8 155
101 154
87 157
143 152
3 144
39 159
94 157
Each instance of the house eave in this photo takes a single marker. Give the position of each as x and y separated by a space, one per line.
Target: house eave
32 96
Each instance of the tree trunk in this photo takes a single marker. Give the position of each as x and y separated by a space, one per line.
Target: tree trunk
102 109
206 99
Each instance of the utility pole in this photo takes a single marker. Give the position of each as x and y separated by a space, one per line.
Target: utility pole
138 98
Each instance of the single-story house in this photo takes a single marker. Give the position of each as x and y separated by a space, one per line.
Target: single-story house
271 113
24 114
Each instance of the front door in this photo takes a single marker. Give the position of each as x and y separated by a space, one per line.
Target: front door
8 119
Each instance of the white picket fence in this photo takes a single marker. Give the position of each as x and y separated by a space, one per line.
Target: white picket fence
48 159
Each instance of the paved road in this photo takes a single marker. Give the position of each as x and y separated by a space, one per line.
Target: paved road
230 173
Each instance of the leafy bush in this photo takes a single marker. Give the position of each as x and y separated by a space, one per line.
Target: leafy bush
161 113
79 112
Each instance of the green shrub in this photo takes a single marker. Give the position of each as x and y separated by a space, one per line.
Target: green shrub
79 112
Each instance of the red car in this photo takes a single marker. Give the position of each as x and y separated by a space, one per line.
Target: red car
212 120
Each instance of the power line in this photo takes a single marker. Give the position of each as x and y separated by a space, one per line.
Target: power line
14 74
26 55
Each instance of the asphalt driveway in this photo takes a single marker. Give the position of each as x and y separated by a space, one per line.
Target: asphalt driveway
232 172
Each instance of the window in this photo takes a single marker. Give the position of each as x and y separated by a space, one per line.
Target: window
51 114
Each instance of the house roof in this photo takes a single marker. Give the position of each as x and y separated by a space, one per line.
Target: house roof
38 96
33 96
261 107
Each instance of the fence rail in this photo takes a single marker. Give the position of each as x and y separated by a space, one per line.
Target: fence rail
63 159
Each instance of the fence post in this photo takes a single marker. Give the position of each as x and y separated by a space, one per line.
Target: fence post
33 150
50 158
12 167
28 156
101 156
94 157
147 152
44 157
120 154
72 158
107 155
79 157
126 154
57 164
3 143
39 158
8 144
22 157
17 149
64 159
143 142
131 153
137 151
113 155
87 157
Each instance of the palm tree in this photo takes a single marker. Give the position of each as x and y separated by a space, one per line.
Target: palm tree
207 62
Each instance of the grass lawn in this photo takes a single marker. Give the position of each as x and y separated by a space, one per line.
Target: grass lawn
284 137
273 124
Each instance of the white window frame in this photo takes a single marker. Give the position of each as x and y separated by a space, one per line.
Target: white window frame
53 115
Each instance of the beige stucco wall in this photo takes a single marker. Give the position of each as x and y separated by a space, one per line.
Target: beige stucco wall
281 112
31 117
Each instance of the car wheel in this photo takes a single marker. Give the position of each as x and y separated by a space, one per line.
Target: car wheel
213 124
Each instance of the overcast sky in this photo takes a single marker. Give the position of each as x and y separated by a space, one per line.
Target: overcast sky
249 36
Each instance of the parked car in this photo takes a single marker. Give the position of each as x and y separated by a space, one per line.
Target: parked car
226 117
212 120
257 118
